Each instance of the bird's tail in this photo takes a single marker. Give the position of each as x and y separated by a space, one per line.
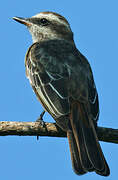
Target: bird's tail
86 153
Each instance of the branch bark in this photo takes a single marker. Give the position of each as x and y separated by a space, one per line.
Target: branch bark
49 129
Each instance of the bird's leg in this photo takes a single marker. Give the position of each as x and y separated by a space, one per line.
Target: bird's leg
40 120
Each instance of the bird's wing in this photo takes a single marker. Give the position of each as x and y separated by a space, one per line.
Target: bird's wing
82 86
48 81
93 100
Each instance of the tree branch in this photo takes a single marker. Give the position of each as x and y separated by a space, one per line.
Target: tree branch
49 129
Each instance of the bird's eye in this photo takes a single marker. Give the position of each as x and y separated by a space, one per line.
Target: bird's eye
44 21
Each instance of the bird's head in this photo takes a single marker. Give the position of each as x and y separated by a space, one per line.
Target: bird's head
46 26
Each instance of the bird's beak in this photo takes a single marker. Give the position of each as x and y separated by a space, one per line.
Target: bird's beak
24 21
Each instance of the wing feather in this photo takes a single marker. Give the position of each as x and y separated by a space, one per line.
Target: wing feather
49 86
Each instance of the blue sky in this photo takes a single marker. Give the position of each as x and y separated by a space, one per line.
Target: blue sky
95 27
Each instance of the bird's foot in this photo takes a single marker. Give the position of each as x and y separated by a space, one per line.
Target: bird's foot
40 121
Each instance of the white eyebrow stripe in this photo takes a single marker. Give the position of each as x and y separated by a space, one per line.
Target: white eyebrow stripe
51 17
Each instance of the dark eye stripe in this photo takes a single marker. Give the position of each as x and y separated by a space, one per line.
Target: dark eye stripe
42 21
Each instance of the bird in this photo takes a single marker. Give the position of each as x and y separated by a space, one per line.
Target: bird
62 79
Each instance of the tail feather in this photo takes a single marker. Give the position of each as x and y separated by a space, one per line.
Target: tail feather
91 141
79 138
76 162
84 145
